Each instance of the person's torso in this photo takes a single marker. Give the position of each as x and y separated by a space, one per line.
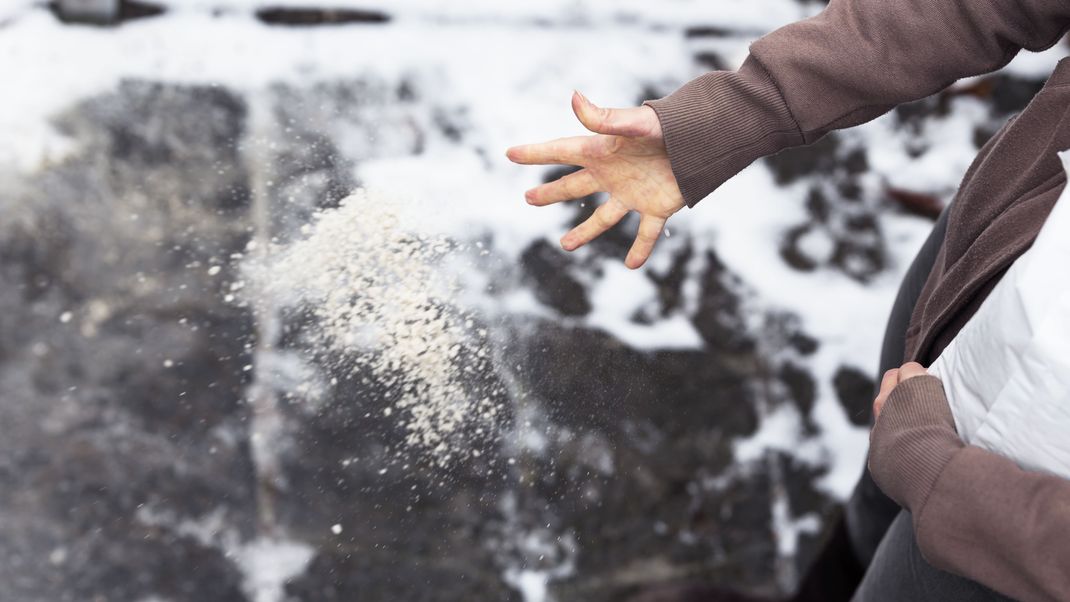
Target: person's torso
1004 199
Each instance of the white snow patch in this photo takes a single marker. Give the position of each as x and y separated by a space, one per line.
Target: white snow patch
268 564
616 298
788 529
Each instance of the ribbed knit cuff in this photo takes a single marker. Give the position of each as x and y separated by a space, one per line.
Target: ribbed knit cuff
913 441
719 123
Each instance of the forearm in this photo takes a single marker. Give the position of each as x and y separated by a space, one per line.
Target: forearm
975 513
859 58
719 123
847 65
990 521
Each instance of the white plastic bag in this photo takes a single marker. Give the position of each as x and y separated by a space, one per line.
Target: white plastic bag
1007 372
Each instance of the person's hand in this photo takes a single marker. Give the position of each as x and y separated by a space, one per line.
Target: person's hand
913 435
626 158
892 378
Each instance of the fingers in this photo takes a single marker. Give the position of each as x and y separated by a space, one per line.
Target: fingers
650 228
637 121
573 186
563 151
888 382
891 379
910 370
605 217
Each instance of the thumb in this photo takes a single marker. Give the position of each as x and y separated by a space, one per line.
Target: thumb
637 121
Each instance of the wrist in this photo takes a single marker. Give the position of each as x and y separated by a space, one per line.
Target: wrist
721 122
912 441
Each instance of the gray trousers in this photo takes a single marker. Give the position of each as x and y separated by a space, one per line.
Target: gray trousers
881 533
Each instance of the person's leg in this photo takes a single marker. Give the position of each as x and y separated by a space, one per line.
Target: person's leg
881 533
851 542
869 512
899 572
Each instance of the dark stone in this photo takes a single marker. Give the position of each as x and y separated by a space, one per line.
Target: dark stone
130 10
711 61
651 92
803 343
799 480
792 254
304 17
1011 94
547 268
717 318
924 205
801 387
119 11
708 31
821 157
206 573
356 572
856 161
837 208
692 592
856 391
912 116
983 133
670 285
817 205
849 190
858 259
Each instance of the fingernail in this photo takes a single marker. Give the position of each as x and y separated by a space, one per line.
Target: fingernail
529 196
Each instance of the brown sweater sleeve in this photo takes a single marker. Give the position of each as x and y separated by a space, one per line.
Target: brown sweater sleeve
975 513
851 63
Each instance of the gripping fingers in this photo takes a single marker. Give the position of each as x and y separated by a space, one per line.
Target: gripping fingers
573 186
563 151
888 382
605 217
910 370
650 228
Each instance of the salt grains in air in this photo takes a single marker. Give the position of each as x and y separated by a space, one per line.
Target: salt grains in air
378 295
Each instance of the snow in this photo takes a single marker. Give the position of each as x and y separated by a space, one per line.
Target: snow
743 15
949 152
512 67
614 311
515 82
268 564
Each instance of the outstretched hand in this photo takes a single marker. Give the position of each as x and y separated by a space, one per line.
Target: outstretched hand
626 158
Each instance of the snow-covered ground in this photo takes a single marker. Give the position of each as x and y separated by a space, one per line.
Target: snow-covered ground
501 73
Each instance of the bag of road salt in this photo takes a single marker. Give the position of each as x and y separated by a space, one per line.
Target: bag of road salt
1007 372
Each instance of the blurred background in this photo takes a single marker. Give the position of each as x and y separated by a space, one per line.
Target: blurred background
694 422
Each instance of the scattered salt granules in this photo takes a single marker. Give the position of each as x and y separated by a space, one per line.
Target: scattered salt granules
381 299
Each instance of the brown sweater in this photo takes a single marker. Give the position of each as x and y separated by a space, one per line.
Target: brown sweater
975 513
